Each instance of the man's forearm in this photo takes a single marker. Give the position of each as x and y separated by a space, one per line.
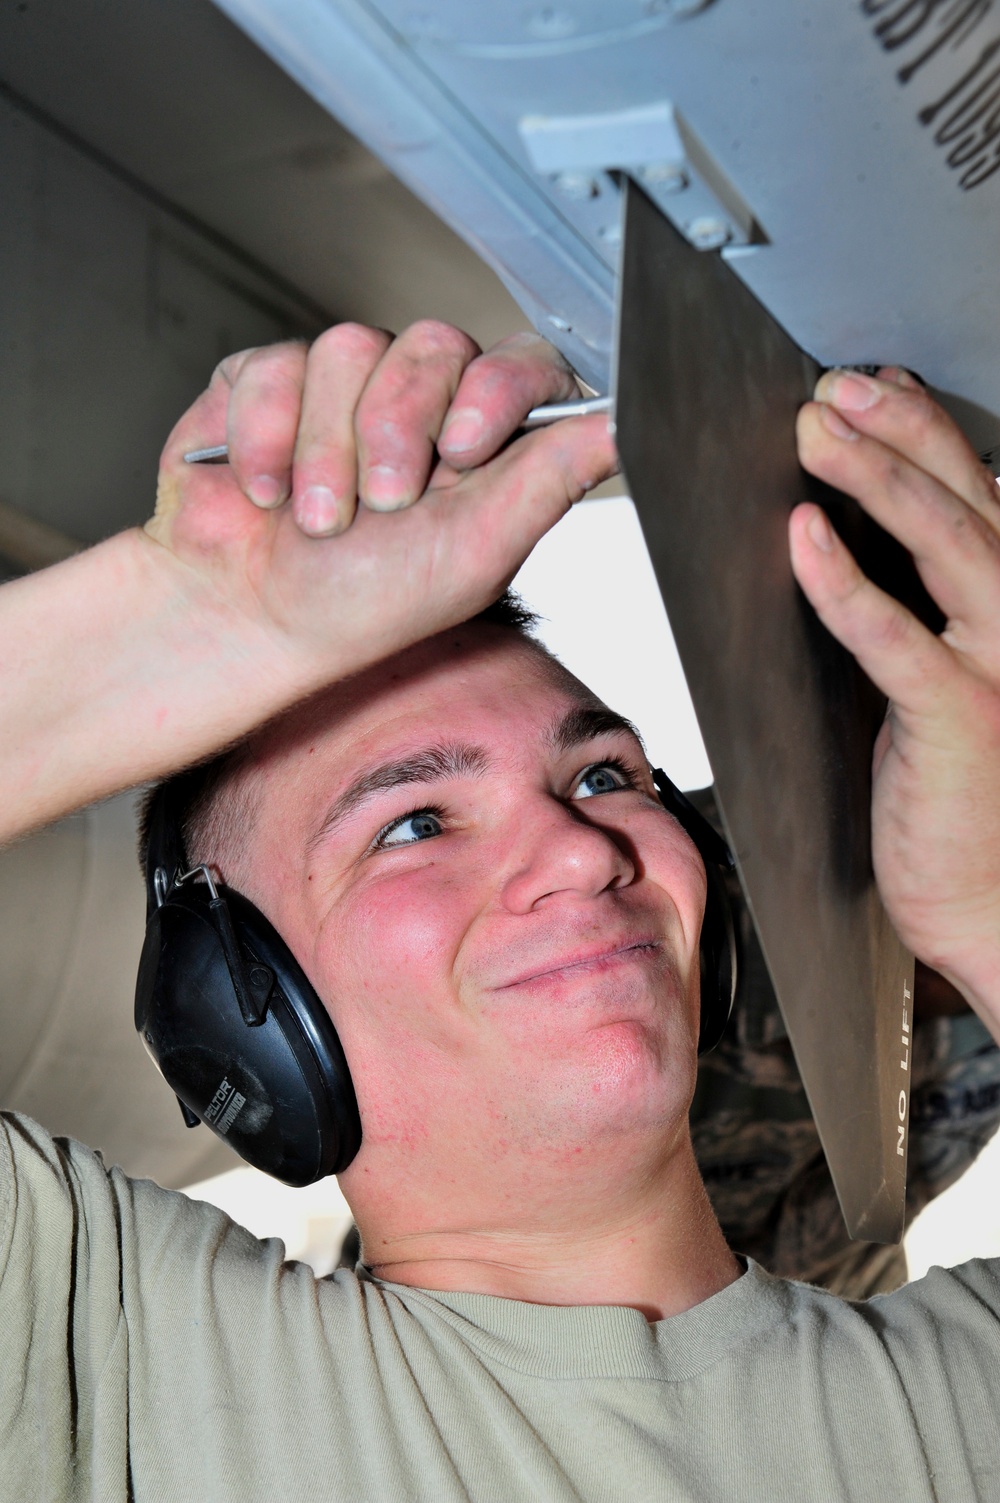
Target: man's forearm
118 666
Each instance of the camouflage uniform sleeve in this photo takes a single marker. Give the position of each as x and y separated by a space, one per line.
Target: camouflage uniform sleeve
760 1154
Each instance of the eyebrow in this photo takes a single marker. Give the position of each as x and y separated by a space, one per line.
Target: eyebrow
586 723
430 765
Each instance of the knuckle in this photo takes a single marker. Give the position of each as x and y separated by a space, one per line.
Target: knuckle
384 438
431 337
951 519
275 364
896 477
526 341
969 534
229 367
890 630
354 342
923 415
928 427
527 361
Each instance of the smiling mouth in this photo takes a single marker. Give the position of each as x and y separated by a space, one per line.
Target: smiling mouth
601 960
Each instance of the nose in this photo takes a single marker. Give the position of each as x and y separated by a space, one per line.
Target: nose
564 854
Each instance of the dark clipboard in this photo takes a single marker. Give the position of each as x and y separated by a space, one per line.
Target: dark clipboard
707 390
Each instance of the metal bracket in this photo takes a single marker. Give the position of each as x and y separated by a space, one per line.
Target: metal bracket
252 981
581 155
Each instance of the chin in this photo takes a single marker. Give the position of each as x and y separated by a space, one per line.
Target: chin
622 1080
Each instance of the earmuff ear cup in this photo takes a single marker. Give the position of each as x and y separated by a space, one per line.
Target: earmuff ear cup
280 1093
718 961
718 952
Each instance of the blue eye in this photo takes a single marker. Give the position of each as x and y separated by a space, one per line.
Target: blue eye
422 824
604 777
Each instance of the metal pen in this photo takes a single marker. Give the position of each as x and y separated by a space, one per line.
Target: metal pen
538 417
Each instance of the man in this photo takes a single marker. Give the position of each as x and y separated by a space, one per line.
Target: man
465 853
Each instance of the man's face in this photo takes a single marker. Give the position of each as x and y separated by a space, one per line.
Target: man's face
466 853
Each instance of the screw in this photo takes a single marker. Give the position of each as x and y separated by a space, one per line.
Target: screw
708 233
665 177
578 185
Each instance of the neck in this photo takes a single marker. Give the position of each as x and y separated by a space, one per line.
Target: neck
658 1249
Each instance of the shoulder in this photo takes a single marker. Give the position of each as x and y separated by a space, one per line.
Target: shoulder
83 1246
964 1299
930 1350
64 1214
947 1312
954 1311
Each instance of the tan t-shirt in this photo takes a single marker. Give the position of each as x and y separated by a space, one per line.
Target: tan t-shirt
150 1349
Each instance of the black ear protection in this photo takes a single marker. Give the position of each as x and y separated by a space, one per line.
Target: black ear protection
238 1033
231 1022
718 927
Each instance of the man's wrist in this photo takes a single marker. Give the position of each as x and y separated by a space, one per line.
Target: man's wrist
122 665
975 972
239 668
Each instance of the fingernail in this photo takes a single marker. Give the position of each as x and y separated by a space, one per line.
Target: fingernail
853 392
820 531
316 510
834 423
265 491
463 430
386 488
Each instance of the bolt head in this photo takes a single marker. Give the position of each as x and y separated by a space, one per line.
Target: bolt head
708 232
665 177
576 185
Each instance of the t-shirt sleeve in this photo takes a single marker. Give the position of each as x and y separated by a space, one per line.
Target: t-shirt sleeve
94 1269
942 1334
133 1315
64 1338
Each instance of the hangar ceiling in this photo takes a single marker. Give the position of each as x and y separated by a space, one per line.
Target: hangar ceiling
171 194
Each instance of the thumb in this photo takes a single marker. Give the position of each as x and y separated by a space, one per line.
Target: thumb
524 491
